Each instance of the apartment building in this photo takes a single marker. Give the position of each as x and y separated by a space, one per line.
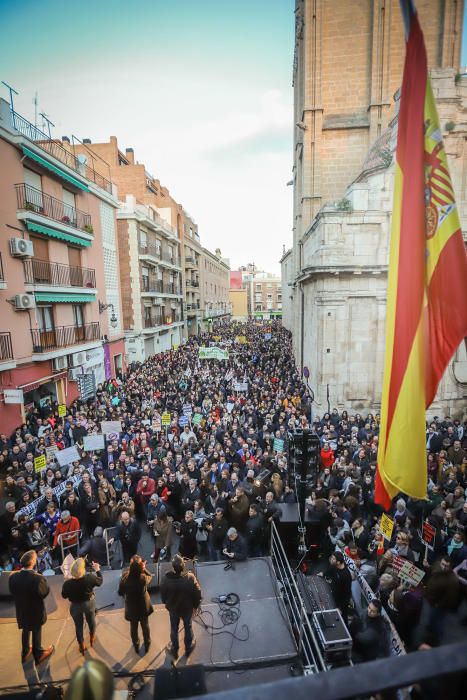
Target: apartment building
264 291
192 261
151 265
61 331
215 283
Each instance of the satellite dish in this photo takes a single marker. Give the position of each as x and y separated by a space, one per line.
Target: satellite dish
82 159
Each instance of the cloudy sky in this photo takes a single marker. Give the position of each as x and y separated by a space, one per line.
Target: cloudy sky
201 89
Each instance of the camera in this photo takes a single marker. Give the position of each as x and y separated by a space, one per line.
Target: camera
206 521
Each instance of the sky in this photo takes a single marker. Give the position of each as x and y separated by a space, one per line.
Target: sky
200 89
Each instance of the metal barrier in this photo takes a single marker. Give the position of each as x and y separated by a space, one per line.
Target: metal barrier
65 536
308 646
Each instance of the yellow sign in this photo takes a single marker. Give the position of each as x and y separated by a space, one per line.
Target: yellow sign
165 418
40 463
216 338
241 339
175 346
386 526
62 410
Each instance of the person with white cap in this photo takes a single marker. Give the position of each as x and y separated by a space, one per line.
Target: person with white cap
79 590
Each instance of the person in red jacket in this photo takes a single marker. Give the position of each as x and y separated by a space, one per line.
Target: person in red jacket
67 524
327 456
144 490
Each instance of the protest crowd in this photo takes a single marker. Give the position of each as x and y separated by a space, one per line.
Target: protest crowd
194 450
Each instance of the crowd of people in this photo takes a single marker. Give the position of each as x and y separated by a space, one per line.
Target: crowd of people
201 461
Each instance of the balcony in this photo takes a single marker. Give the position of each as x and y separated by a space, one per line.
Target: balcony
191 261
157 286
155 320
151 250
58 275
6 349
192 283
64 336
57 150
31 199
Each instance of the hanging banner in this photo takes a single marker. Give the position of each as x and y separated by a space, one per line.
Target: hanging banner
213 353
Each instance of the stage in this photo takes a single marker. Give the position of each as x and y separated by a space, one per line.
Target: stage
257 646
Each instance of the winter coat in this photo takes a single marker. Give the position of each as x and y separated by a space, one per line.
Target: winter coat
29 590
135 591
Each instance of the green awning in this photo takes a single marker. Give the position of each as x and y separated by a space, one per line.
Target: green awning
54 233
63 297
53 168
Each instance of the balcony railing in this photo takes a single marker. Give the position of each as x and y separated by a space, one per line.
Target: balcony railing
6 349
150 250
32 199
157 320
190 260
157 286
192 283
63 336
169 258
58 275
2 278
57 150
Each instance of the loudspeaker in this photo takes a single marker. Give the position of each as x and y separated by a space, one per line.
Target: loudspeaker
181 682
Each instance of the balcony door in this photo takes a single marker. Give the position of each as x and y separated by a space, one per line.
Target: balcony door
46 327
33 191
76 273
78 317
69 210
41 269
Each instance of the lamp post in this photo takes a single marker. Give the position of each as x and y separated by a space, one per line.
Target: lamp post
113 318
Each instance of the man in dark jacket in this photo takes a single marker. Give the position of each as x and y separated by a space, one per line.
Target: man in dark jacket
129 534
340 580
235 547
371 637
217 531
29 589
254 532
181 593
95 548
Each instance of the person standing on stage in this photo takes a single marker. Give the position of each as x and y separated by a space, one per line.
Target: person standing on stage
80 592
29 589
129 534
181 593
134 587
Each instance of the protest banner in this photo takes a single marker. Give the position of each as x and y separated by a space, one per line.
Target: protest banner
93 442
386 526
213 353
111 426
40 463
67 456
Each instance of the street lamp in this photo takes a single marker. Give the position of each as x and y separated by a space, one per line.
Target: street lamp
113 318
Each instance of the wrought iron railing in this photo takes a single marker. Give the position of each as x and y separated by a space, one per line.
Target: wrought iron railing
190 260
151 285
58 151
6 348
58 274
31 199
192 283
155 320
63 336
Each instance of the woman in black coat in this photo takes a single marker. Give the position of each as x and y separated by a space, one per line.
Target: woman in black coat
134 587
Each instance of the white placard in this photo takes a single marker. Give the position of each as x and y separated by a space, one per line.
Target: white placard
13 396
111 426
93 442
67 456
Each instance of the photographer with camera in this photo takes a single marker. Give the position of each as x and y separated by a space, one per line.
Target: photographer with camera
162 531
217 530
187 530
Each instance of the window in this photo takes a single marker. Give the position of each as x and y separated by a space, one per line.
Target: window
158 247
143 239
33 189
258 287
191 232
145 278
170 252
78 315
46 319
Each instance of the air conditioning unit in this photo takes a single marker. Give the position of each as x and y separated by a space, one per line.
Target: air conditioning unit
74 373
60 363
78 358
21 248
24 301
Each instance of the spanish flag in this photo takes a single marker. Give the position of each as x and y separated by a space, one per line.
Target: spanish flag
427 280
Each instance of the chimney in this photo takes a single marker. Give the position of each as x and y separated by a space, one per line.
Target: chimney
87 141
66 139
130 154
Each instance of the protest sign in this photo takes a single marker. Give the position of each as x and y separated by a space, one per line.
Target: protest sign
428 534
40 463
165 418
157 425
267 336
213 353
241 339
197 418
230 407
187 409
67 456
51 451
62 410
386 526
240 386
93 442
410 573
111 426
182 421
278 445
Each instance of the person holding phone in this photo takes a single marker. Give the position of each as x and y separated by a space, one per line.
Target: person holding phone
79 590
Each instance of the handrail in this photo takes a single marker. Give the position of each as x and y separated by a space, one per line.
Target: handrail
66 536
106 539
58 274
63 336
35 200
6 348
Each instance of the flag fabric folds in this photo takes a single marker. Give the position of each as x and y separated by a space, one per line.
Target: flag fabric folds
427 283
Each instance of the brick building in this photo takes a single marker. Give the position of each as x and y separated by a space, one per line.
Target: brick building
215 283
61 321
347 72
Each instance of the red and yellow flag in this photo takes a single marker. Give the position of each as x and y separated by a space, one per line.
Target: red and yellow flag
427 283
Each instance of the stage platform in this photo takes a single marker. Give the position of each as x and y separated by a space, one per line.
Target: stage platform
258 646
